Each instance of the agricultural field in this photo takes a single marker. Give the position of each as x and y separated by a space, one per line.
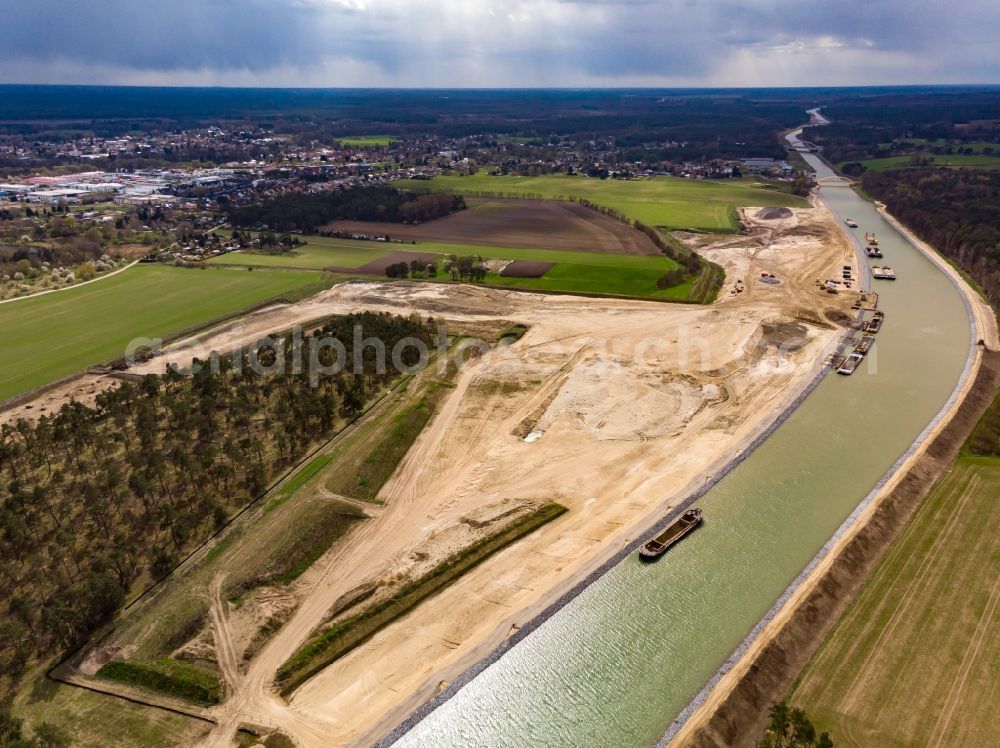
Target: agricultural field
518 223
519 139
48 337
976 146
590 272
960 161
574 272
913 661
666 202
584 278
367 141
317 253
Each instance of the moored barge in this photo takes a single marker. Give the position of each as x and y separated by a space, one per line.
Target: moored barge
676 530
850 364
865 344
875 323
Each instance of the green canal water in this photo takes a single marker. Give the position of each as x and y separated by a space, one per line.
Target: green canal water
618 664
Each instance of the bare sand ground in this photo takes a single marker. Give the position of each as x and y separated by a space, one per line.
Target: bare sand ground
636 403
83 389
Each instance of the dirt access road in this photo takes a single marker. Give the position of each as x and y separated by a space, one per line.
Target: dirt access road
630 404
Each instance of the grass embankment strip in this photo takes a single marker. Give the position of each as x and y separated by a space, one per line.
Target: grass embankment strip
319 528
706 286
303 476
56 335
179 679
364 477
354 630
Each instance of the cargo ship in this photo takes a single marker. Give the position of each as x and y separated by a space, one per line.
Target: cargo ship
875 323
865 344
676 530
850 364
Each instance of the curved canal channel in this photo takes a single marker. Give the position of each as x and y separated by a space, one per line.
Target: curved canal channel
619 663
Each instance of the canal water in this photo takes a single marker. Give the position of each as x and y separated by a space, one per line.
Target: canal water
617 665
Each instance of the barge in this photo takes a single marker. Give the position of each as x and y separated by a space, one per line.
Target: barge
676 530
865 344
875 323
883 273
873 252
851 222
851 363
870 238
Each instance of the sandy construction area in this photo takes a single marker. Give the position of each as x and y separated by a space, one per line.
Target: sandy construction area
614 408
627 406
83 389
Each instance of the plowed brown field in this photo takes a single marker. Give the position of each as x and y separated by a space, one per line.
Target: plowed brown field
543 224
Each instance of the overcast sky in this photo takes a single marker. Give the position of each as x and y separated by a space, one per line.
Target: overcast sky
414 43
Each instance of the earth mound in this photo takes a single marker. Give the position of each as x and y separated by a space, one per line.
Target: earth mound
773 214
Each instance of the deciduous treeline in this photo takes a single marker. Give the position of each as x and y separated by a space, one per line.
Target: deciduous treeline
307 212
956 210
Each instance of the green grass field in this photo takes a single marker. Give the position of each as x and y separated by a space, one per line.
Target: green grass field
962 161
667 202
578 272
913 661
589 272
319 252
95 719
55 335
632 279
367 141
520 139
976 146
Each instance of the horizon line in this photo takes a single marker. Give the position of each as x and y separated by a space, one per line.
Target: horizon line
505 88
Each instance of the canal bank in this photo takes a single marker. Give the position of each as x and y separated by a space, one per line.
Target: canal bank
731 708
733 711
619 661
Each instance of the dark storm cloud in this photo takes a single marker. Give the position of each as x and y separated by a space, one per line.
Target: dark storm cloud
252 34
484 42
